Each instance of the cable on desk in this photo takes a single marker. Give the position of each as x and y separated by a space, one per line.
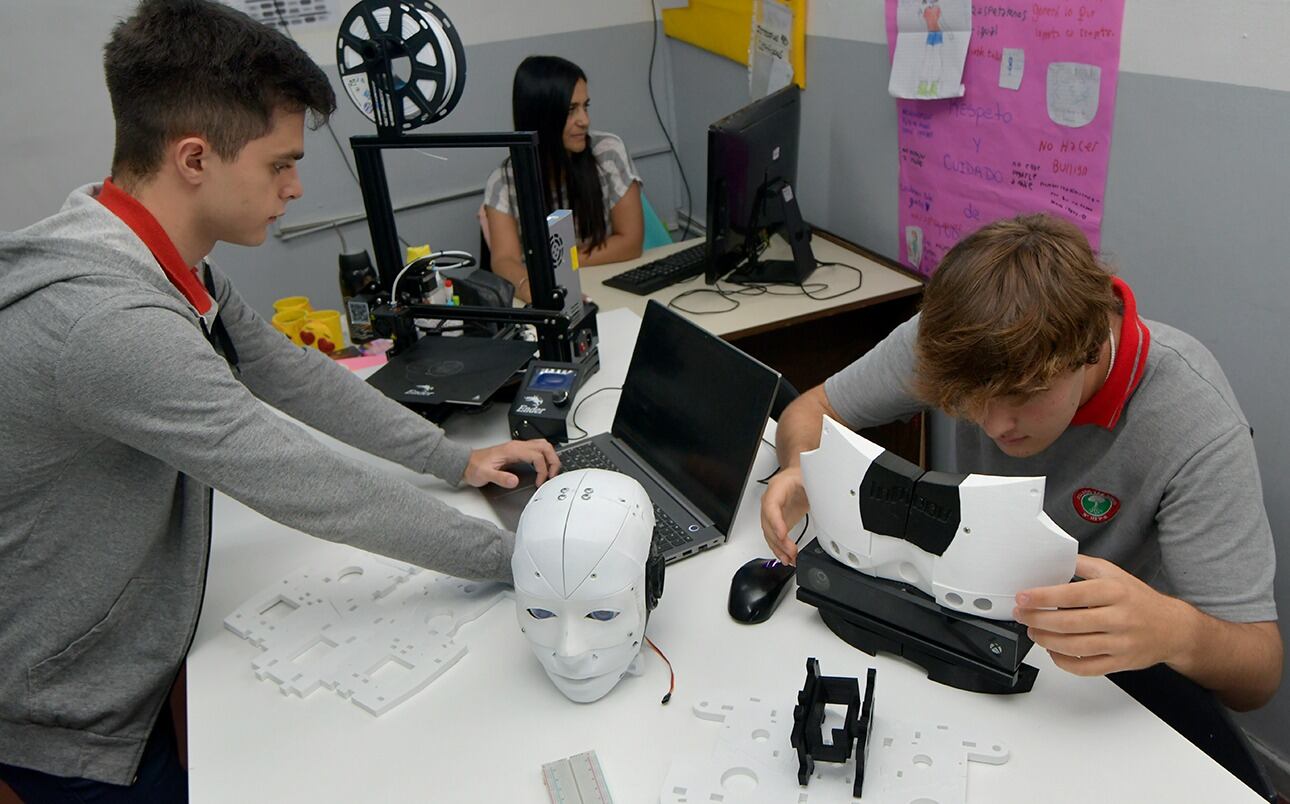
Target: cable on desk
765 289
282 20
859 281
807 527
804 289
763 481
740 289
649 80
806 516
767 478
717 289
671 684
573 417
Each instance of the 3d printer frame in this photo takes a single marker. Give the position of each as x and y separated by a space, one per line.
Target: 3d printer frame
556 333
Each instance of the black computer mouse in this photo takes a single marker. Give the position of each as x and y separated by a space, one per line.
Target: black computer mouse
757 589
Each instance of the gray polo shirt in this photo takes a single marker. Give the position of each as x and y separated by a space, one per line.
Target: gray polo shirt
1170 492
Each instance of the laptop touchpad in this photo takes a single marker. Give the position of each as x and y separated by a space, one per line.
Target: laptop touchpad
508 504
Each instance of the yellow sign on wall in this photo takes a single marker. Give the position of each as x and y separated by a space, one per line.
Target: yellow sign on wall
725 28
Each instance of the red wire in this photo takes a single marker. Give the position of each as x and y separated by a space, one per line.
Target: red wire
671 684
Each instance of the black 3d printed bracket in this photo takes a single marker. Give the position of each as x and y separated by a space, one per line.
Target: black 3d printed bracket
808 722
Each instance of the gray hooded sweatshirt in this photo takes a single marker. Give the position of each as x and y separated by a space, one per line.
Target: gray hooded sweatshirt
117 417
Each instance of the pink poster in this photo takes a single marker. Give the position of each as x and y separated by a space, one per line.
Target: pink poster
1032 132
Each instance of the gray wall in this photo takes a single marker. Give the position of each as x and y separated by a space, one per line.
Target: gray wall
55 119
847 156
57 135
1195 220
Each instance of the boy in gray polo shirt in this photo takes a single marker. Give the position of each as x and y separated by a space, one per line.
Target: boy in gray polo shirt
1039 354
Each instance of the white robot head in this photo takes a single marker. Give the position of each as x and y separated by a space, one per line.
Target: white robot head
585 579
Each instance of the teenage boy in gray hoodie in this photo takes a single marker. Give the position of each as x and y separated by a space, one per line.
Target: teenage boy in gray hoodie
135 381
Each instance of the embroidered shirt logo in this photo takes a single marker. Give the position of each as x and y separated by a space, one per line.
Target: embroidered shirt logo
1095 505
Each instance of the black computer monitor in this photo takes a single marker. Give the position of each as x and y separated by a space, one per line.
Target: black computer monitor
752 176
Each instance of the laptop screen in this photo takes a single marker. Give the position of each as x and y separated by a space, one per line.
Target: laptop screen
694 407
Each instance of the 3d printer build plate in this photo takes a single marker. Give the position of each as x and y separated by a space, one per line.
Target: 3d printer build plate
456 371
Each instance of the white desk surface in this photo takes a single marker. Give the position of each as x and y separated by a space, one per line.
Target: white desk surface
481 732
780 305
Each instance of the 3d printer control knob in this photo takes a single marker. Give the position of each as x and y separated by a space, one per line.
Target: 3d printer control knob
560 398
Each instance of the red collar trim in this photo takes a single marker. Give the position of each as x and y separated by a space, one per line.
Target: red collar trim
134 215
1106 406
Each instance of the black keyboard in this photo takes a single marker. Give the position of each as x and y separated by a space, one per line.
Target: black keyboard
662 272
667 533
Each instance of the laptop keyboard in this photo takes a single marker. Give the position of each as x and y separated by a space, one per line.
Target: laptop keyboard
667 532
585 456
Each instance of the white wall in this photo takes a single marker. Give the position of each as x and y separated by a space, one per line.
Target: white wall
56 133
56 122
483 21
56 127
1242 42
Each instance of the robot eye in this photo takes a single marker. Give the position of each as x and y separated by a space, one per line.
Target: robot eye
541 614
602 615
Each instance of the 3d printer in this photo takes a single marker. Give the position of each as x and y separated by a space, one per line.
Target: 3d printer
432 374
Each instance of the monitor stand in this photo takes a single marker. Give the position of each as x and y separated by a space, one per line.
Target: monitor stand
777 208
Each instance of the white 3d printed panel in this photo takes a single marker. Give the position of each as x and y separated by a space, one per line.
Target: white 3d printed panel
753 761
375 631
1004 542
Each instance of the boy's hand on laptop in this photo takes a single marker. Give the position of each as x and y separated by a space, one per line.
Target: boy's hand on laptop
488 465
782 506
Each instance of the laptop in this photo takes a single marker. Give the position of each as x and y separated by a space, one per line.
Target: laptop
689 422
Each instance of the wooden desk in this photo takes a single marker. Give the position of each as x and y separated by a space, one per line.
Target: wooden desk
805 339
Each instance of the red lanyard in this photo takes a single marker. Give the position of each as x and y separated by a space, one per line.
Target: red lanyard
182 275
1134 340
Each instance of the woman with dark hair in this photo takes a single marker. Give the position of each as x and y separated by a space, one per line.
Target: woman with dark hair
586 171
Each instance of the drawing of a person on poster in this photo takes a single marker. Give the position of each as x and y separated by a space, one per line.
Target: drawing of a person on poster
929 72
932 38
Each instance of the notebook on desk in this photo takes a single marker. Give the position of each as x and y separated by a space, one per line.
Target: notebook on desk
688 425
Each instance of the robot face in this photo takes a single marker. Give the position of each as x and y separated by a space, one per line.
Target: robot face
579 566
585 646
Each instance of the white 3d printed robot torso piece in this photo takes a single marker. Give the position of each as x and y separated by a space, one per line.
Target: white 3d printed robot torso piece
342 630
581 554
971 542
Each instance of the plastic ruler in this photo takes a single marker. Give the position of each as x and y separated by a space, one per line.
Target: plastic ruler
576 780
